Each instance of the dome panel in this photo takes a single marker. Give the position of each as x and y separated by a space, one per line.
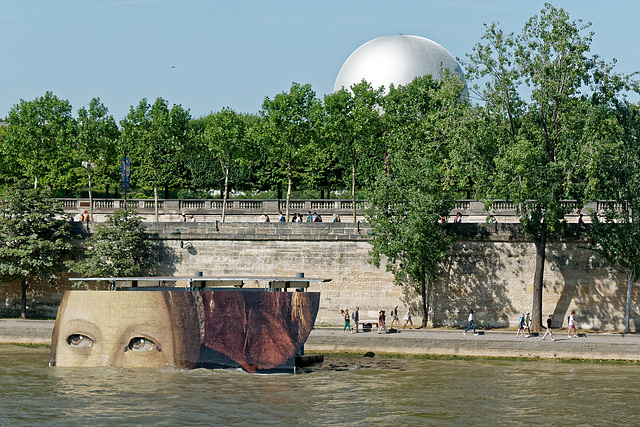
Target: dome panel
395 59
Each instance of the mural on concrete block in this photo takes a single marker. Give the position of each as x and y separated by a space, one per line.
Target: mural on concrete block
257 331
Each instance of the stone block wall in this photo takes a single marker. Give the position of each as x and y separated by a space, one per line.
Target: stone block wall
489 270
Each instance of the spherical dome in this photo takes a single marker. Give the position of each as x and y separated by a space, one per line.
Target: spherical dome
395 59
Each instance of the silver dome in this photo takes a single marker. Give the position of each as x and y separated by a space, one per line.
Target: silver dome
395 59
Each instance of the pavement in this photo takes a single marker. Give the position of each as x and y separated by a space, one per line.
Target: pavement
492 343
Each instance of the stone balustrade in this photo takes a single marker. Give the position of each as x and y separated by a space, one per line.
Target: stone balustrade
252 210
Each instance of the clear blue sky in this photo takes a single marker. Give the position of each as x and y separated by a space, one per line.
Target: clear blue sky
234 53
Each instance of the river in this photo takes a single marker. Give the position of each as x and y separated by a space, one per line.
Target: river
343 390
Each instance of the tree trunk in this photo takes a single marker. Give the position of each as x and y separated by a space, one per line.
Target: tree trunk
288 196
536 309
630 277
353 190
155 196
90 196
23 306
226 192
424 283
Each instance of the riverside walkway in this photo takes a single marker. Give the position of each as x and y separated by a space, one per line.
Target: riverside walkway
492 343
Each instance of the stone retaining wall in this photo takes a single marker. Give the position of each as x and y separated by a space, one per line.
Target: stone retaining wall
489 270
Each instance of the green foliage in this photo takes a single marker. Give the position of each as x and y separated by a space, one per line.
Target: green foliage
95 145
414 192
543 146
288 133
118 248
157 139
353 126
33 235
37 134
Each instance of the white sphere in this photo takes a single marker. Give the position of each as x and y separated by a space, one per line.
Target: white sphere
395 59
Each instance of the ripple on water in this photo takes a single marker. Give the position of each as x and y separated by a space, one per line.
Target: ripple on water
345 390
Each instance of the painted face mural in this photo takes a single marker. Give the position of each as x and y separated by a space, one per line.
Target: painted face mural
132 329
255 331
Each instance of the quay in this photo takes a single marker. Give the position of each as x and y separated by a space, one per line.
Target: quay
450 342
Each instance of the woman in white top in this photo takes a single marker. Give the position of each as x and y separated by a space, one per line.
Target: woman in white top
472 324
573 325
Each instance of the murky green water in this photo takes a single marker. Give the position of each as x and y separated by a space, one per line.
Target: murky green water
351 391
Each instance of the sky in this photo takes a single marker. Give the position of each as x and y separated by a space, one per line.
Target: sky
206 54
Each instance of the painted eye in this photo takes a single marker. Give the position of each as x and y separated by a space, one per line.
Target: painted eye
141 344
79 340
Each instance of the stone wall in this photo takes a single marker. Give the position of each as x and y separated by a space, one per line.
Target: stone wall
488 270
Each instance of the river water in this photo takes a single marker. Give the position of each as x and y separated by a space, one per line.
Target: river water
343 390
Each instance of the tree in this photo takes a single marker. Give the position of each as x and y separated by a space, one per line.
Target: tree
615 176
33 235
225 137
413 193
352 123
542 144
157 138
37 139
95 143
288 131
118 248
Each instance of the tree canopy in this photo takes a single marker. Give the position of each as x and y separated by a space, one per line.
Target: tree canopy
33 237
118 248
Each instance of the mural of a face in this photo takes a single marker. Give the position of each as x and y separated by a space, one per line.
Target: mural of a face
126 329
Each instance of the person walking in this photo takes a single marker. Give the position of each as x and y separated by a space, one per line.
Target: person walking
527 325
520 326
573 325
394 317
356 318
548 331
472 324
347 321
381 322
407 319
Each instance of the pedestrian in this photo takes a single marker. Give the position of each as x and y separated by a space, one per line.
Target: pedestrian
527 325
336 218
266 218
309 216
281 217
581 219
183 218
407 319
520 326
381 322
458 218
347 321
356 318
472 324
548 332
572 325
394 317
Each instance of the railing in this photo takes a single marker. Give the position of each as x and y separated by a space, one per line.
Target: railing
243 208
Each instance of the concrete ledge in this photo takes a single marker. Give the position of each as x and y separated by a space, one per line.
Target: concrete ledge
26 331
490 344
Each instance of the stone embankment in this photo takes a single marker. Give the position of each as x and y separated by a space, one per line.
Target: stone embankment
592 346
